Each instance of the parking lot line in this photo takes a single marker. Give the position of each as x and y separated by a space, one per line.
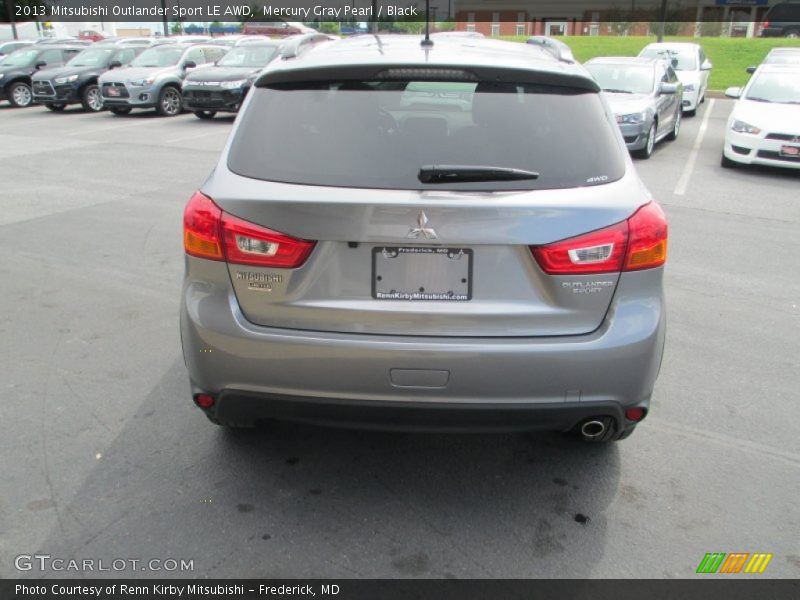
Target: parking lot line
190 137
683 182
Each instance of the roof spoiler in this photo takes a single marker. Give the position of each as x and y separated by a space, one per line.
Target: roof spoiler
556 48
295 45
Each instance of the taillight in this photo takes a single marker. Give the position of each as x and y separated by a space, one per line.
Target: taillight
640 242
211 233
201 219
249 244
647 238
600 251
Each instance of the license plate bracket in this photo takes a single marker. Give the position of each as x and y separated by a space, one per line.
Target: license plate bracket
422 274
790 151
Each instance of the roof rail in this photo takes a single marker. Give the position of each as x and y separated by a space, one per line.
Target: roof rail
294 45
557 49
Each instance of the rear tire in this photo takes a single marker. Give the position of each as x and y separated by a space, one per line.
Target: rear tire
170 102
793 33
91 100
206 115
727 163
647 151
55 107
691 113
20 95
120 110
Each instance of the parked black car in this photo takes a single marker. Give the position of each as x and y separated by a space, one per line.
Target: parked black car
76 82
223 87
17 68
782 20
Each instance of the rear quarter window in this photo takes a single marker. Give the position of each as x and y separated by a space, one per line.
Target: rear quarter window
378 135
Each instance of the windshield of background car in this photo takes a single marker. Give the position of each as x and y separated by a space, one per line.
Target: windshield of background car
782 88
686 59
379 134
248 56
623 78
20 58
95 57
159 56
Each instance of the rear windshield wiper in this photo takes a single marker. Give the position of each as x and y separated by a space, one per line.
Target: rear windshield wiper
467 173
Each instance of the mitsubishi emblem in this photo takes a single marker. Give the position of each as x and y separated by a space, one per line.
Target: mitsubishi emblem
428 232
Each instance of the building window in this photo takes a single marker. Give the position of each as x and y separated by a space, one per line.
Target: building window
496 17
520 28
520 17
471 27
471 17
495 29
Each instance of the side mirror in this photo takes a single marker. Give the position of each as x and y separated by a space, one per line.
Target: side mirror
114 64
189 64
674 62
751 70
706 66
668 88
40 64
733 92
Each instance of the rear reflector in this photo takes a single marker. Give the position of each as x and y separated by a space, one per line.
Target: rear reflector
635 414
204 400
640 242
211 233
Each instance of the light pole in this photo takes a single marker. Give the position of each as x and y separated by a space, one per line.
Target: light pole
10 11
663 23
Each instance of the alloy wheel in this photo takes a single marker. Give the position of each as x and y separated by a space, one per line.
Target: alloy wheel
171 102
22 95
94 100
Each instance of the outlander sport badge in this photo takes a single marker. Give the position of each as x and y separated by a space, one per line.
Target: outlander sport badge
428 232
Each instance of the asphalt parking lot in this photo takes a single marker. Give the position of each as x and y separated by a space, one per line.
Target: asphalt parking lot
104 455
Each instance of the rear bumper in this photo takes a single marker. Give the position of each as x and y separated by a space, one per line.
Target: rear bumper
245 407
509 383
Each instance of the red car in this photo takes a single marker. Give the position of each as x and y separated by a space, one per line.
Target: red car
275 28
91 34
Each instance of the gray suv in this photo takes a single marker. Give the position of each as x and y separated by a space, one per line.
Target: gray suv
444 236
154 78
645 95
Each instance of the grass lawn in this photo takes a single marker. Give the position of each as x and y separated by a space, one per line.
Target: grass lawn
730 56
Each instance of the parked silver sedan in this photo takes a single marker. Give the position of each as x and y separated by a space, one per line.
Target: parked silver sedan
645 95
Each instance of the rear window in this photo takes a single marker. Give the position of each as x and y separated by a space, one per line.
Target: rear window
379 134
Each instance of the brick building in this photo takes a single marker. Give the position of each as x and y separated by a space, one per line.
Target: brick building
608 17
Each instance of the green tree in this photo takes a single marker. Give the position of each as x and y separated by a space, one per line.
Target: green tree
328 27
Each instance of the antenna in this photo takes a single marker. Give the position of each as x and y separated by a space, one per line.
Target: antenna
427 42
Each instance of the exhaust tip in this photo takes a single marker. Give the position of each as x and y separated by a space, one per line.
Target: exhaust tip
593 429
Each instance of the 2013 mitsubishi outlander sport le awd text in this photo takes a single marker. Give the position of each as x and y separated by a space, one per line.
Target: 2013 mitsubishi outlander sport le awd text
448 236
